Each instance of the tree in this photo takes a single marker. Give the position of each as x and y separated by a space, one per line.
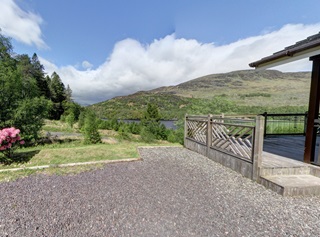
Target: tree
5 47
37 71
57 89
152 113
23 103
57 95
68 94
90 128
29 117
151 122
70 119
29 87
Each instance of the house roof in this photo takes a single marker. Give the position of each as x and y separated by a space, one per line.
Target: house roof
302 49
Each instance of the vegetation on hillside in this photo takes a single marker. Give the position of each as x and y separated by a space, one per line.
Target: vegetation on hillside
173 107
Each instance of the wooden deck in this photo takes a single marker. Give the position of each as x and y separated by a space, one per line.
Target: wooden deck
282 169
284 151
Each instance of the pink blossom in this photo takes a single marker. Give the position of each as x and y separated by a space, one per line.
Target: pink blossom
8 137
22 142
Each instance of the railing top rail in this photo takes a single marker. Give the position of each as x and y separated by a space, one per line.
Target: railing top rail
232 124
237 119
196 116
236 115
223 116
285 114
197 119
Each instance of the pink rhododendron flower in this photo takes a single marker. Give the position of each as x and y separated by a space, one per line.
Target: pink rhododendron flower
8 138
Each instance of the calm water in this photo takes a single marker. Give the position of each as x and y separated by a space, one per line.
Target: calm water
168 123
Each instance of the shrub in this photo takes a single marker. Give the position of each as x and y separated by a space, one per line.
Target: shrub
81 119
29 117
9 139
90 129
123 133
70 119
147 136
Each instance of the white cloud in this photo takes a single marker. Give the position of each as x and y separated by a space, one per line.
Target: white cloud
21 25
169 61
86 65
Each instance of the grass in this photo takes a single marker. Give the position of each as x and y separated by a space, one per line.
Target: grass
8 176
71 151
57 126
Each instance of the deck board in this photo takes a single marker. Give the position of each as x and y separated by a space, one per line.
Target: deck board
287 146
284 151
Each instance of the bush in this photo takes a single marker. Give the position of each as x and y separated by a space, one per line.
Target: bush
81 119
29 117
90 129
70 119
9 139
134 128
123 133
147 136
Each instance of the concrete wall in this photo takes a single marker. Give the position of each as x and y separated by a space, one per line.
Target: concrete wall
237 164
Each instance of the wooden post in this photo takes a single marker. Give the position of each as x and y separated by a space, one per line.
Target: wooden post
258 147
265 114
185 129
305 123
311 132
209 133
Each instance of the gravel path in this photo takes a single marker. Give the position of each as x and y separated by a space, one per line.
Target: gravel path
172 192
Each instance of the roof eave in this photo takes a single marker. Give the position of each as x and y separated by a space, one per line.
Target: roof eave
287 56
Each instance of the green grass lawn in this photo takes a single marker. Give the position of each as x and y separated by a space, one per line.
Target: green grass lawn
75 151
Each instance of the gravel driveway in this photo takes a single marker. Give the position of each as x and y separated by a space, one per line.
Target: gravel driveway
172 192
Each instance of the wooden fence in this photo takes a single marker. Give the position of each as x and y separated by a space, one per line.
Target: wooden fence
235 142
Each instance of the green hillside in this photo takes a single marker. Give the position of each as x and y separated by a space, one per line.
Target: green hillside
245 91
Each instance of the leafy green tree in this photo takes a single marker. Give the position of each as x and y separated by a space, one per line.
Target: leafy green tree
57 89
39 75
24 91
152 113
5 47
151 122
29 117
72 107
90 128
57 95
28 87
81 119
70 119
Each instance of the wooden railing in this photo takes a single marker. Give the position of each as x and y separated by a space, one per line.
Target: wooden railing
231 135
239 136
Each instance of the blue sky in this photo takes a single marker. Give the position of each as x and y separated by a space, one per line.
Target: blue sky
105 48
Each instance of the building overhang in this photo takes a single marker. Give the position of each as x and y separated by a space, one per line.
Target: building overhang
302 49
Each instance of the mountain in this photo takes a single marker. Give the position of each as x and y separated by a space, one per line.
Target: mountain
238 91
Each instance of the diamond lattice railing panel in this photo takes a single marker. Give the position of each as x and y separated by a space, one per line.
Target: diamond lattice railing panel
197 130
233 138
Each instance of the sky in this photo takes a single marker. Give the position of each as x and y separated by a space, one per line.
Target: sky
108 48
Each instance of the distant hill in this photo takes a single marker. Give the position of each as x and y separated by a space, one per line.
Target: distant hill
268 89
